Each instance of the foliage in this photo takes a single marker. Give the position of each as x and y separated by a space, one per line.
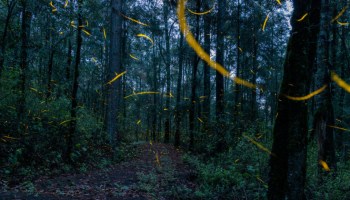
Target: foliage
240 172
333 185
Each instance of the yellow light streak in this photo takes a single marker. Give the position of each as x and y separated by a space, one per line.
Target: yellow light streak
343 23
340 128
339 14
265 22
104 33
145 36
303 17
200 51
65 121
141 93
340 82
260 146
157 160
200 13
66 4
324 165
9 137
72 23
133 57
35 90
54 9
307 96
134 20
86 32
116 77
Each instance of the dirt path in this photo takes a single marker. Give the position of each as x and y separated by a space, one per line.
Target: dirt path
156 173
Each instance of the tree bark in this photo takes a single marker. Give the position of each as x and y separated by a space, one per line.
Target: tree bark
74 96
167 66
206 70
195 63
178 95
219 77
155 96
343 67
237 92
253 106
288 158
325 115
25 37
10 7
115 89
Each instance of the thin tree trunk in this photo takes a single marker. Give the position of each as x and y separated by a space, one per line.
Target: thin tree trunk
49 74
340 138
206 70
195 63
155 97
3 42
167 66
253 107
25 37
74 101
219 77
178 95
238 105
69 60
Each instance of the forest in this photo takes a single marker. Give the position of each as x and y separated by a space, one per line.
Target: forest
174 99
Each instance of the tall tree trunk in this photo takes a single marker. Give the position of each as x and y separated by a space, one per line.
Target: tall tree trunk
25 37
253 106
167 66
68 67
11 5
325 114
344 57
238 87
69 60
50 61
178 95
49 74
219 79
115 89
195 63
155 96
338 135
206 70
74 101
288 158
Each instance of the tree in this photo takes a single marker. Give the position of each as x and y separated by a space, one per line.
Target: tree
178 113
10 7
25 37
324 117
206 70
74 100
114 89
219 79
167 66
238 88
288 158
193 101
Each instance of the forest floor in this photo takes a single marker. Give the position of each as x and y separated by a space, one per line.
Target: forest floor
156 172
